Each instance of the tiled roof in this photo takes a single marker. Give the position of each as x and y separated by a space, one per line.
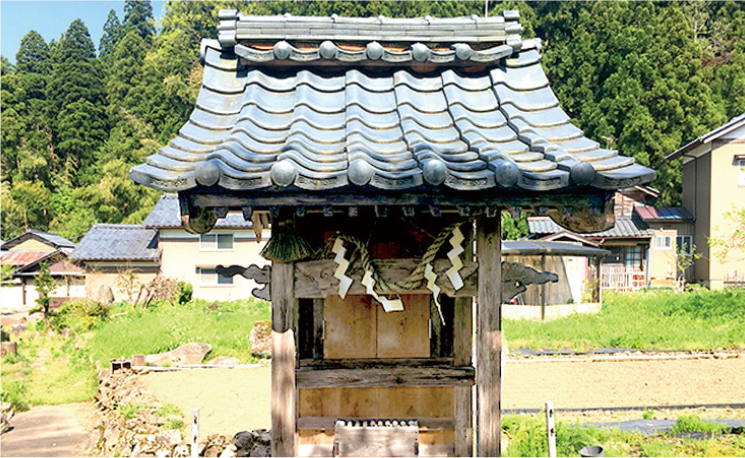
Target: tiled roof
734 123
663 213
624 227
320 122
57 241
21 258
167 214
532 247
118 242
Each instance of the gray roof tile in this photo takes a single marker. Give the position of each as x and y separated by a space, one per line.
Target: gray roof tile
624 227
118 242
167 215
264 127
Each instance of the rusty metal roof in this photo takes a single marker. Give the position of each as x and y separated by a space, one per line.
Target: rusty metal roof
649 214
21 258
322 120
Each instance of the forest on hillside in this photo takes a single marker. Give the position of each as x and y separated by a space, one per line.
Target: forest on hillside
641 77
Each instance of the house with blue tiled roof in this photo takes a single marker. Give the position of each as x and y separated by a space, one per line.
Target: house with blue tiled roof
160 246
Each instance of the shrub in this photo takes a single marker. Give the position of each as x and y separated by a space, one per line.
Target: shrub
185 291
81 315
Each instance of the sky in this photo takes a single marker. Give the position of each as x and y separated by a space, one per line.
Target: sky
52 18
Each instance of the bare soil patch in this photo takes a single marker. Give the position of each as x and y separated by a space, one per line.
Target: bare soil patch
233 400
229 400
616 384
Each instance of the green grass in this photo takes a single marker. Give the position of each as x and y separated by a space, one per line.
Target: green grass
526 435
649 320
167 326
49 371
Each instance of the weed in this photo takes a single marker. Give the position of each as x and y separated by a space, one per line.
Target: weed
648 414
693 424
129 411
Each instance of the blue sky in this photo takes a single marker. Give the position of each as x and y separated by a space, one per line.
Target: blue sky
52 18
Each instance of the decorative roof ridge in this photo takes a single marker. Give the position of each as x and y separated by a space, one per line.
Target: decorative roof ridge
235 27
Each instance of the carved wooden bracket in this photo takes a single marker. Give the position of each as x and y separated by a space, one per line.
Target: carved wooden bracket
516 277
262 276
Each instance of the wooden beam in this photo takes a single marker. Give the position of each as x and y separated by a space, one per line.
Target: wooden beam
425 424
393 376
284 392
367 363
489 337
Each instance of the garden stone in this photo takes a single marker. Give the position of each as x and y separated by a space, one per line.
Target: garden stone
105 294
191 353
261 339
260 451
224 361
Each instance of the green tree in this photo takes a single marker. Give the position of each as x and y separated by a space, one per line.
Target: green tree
78 100
138 17
112 33
45 286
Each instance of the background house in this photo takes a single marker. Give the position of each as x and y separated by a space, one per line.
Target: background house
714 183
25 254
108 250
193 257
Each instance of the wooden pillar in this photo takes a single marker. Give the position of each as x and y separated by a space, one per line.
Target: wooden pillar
462 352
596 292
542 290
489 337
284 392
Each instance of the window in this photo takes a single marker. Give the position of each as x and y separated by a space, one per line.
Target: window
741 172
633 257
663 242
684 245
208 276
215 242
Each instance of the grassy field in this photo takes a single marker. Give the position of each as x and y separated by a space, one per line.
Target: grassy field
526 436
648 320
51 370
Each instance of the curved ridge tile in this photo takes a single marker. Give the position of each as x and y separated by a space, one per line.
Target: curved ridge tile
478 102
539 99
527 78
372 84
373 120
219 104
222 81
201 135
403 78
321 102
467 83
260 134
423 102
269 101
612 163
221 61
162 179
321 83
313 160
254 114
523 59
549 117
270 82
544 181
212 121
384 163
625 177
371 102
481 120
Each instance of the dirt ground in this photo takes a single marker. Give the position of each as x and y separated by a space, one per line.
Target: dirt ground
232 400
